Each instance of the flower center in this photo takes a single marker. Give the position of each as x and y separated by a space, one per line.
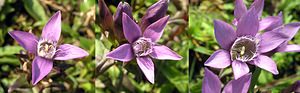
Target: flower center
46 48
142 46
244 49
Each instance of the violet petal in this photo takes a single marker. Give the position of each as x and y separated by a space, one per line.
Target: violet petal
156 29
27 40
224 34
271 40
154 13
290 29
163 52
52 29
67 52
240 9
40 68
123 7
219 59
258 6
240 85
290 48
239 69
248 24
147 66
271 22
131 30
266 63
122 53
211 82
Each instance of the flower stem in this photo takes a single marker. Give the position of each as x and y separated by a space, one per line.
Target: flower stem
254 79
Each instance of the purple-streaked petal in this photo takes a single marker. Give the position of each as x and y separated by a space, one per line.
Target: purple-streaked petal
271 40
147 66
248 24
290 29
122 53
240 9
258 6
163 52
290 48
52 29
123 7
239 69
271 22
219 59
156 29
67 52
27 40
240 85
154 13
106 18
224 34
211 83
131 30
40 68
266 63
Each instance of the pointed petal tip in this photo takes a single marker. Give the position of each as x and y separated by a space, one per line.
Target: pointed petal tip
219 59
224 34
151 81
41 67
164 53
155 30
122 53
52 29
267 64
29 44
131 30
147 67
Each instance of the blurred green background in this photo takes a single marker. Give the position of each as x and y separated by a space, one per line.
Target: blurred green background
78 24
201 30
170 76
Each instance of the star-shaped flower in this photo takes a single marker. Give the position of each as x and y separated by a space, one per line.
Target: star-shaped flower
46 49
244 46
142 46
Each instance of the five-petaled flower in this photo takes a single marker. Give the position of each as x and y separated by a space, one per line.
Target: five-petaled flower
245 45
212 84
143 46
270 23
46 49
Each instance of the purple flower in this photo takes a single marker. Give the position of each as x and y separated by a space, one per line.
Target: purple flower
142 46
244 46
212 84
46 49
268 23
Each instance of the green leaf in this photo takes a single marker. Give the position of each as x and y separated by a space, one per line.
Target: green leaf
10 50
203 50
35 10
